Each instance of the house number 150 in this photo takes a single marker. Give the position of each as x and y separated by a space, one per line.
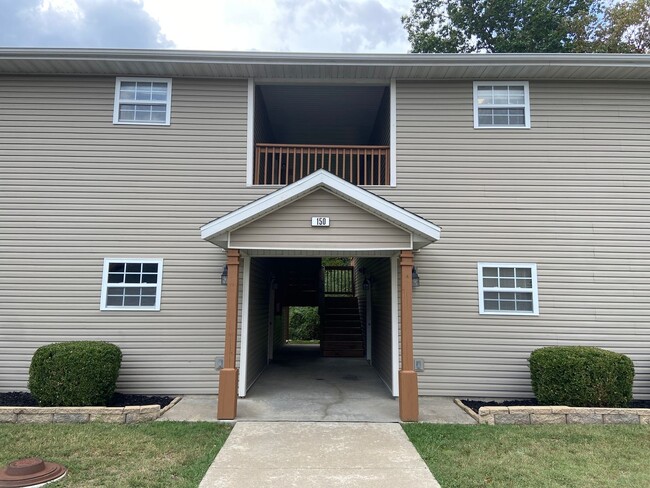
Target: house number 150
320 221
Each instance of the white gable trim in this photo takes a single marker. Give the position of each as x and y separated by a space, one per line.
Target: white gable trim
425 231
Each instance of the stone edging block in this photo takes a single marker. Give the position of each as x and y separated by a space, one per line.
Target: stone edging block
562 415
80 415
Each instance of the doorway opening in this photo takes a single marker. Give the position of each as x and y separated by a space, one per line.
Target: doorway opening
304 326
313 333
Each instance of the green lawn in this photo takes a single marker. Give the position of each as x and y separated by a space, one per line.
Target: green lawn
156 454
467 456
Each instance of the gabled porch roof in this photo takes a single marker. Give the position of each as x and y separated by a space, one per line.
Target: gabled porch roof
422 231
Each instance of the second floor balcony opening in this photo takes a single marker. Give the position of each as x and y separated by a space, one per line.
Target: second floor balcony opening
344 129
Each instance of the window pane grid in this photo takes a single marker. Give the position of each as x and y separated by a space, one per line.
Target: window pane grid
132 284
124 296
132 273
145 91
508 279
501 116
142 102
500 105
501 95
508 289
504 301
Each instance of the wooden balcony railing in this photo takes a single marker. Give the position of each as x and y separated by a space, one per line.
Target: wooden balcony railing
338 281
282 164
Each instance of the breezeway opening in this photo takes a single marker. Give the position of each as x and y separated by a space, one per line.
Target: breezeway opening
350 374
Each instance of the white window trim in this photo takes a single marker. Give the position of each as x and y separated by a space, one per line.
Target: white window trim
107 261
250 132
393 132
503 83
168 102
533 276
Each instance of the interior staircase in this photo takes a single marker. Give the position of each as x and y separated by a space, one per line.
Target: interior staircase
341 333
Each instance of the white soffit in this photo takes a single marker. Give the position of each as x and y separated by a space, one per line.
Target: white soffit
423 231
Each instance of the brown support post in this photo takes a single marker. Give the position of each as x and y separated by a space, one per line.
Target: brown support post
227 400
408 380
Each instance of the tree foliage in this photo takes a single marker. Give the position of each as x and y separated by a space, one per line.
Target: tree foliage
529 26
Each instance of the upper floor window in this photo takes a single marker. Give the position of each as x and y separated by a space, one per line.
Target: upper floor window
131 284
501 104
142 101
506 288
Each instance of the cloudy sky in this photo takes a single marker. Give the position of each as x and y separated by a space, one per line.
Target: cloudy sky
230 25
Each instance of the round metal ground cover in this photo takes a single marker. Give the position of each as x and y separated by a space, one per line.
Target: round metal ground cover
30 472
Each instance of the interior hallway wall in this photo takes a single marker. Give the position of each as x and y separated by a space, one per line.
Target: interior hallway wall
377 270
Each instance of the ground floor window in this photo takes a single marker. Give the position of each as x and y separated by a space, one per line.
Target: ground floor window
131 284
507 288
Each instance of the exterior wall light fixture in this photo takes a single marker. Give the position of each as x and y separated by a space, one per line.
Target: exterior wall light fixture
415 278
224 275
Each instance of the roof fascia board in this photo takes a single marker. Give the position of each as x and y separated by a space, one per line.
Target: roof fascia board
103 61
234 57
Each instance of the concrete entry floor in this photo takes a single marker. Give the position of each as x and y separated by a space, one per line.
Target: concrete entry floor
299 385
302 386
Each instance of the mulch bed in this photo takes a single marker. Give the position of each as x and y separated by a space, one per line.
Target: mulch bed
532 402
24 399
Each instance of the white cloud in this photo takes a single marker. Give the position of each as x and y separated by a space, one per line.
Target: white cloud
226 25
78 23
283 25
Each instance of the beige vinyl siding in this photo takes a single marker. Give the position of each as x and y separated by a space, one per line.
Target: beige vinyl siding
570 194
290 227
258 317
379 273
76 189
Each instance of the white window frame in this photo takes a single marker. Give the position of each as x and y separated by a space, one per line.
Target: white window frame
525 106
118 101
107 261
481 289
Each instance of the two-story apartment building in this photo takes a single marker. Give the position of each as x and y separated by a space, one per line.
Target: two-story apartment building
176 203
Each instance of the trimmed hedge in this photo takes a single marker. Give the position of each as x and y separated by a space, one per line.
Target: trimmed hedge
74 374
580 376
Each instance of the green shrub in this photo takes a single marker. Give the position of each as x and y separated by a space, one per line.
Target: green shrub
579 376
81 373
304 323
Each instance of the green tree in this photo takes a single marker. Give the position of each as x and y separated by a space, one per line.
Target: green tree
304 323
624 28
518 26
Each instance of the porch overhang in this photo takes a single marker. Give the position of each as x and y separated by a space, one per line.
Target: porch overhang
421 231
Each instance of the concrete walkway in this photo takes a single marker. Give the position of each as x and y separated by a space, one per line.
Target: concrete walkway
318 454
